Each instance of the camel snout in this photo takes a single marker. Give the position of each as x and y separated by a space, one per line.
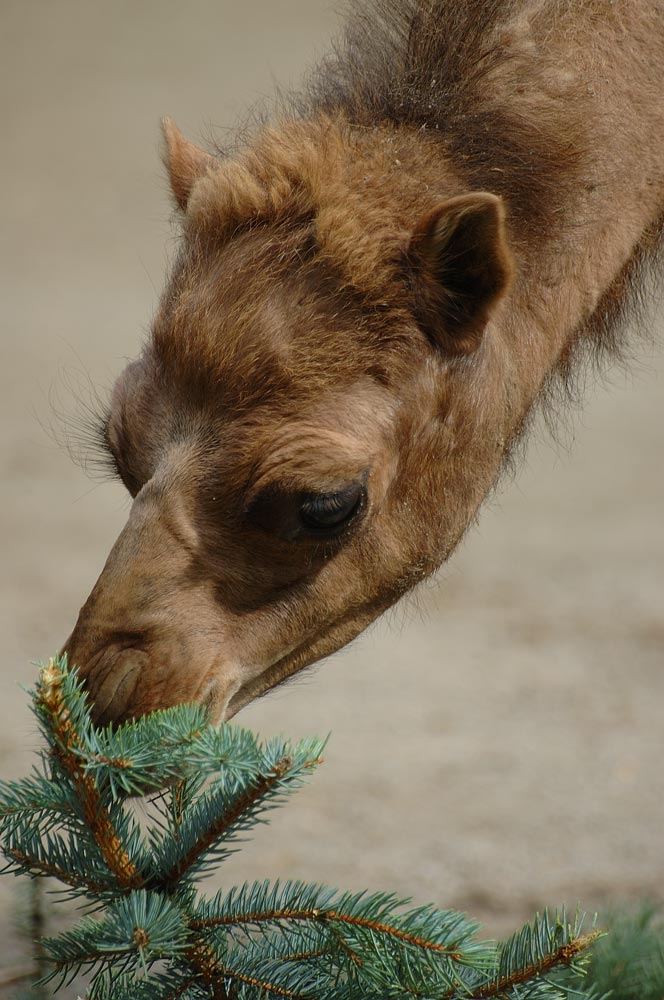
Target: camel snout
111 670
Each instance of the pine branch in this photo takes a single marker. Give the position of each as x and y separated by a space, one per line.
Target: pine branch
203 960
263 985
69 747
422 927
139 930
244 803
36 798
549 944
155 939
168 746
308 956
74 860
361 938
323 916
33 866
564 956
269 975
231 804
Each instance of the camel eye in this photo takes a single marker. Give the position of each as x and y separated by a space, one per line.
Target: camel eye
326 511
305 515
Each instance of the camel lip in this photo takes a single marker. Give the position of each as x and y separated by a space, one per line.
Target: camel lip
253 689
256 686
110 674
114 685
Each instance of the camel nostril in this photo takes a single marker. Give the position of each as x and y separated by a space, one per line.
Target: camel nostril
112 691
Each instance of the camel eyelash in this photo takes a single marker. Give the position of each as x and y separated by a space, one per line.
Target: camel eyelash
78 422
93 452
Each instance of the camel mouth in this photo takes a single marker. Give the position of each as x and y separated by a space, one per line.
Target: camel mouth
111 679
260 685
278 672
318 645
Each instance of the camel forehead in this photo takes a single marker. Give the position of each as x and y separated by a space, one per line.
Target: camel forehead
261 319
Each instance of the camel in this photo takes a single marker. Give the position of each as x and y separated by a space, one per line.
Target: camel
372 295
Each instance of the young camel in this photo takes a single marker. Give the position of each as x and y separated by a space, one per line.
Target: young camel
369 299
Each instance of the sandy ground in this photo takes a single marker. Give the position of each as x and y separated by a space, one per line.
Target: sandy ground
497 742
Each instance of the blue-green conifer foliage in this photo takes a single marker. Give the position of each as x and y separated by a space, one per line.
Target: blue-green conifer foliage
148 930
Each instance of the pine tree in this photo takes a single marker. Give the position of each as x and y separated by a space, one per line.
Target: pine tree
149 933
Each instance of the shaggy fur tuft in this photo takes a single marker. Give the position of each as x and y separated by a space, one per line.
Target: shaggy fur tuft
440 66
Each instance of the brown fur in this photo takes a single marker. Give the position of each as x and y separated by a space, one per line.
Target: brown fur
371 295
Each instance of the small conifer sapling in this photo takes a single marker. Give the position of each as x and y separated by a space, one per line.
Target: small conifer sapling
150 932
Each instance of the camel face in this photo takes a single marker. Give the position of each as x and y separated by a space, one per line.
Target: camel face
369 300
280 437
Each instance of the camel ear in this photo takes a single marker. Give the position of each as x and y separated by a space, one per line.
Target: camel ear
184 161
462 267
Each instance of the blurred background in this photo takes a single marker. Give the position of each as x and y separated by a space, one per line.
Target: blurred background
497 741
